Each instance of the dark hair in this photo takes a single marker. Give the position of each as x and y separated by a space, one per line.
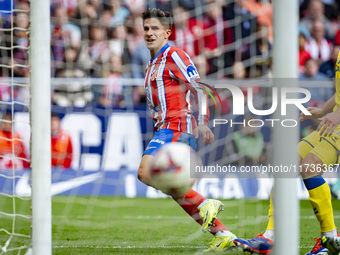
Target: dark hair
310 59
164 17
55 115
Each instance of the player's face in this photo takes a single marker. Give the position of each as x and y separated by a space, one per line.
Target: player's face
155 35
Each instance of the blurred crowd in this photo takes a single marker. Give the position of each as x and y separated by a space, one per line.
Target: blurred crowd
14 152
104 39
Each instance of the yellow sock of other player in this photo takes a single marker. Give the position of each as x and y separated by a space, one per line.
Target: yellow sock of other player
270 227
320 198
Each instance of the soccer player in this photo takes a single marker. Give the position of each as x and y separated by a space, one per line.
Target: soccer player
170 78
317 151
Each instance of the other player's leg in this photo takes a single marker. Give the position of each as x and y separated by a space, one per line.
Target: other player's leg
319 194
332 244
323 153
262 243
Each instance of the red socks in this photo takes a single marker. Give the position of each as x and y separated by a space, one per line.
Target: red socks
190 201
193 198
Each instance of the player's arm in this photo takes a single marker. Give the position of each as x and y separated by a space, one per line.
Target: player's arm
201 99
202 116
328 120
329 105
319 112
186 72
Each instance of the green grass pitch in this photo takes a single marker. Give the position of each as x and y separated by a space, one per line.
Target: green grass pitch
115 225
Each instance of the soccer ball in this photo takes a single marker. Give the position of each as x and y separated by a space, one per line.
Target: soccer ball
170 168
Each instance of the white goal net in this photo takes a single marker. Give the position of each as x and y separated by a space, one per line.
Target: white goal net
14 145
100 126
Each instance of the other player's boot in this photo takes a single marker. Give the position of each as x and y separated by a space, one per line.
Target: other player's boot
259 244
317 249
332 244
208 213
221 243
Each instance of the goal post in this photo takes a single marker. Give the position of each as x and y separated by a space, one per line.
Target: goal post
285 71
40 112
94 172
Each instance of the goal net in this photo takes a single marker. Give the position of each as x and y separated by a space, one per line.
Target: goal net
14 149
100 125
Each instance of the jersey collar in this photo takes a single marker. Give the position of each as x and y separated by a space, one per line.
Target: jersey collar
160 52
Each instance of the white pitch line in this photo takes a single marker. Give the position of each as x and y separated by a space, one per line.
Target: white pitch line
130 247
174 217
305 246
154 217
145 247
313 217
163 217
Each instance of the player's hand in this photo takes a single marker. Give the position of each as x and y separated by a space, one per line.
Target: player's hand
315 111
208 136
328 123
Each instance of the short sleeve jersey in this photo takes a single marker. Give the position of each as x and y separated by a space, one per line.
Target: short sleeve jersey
170 77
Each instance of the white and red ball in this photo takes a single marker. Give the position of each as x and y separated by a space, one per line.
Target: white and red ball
170 168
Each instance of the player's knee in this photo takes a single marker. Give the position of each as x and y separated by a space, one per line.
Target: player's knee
140 174
143 176
143 173
311 165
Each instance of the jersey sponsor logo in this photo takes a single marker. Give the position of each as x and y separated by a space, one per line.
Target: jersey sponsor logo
192 72
157 141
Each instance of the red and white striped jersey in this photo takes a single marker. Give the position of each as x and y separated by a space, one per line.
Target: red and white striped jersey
169 79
